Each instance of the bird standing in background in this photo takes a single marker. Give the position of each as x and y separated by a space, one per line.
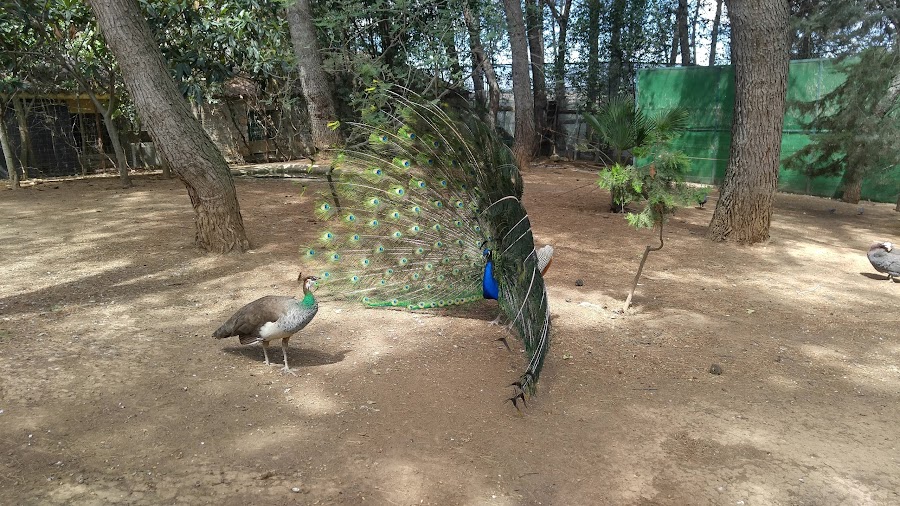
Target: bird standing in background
428 214
703 200
272 317
885 258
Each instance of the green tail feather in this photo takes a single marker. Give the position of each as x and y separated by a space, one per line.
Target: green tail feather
418 204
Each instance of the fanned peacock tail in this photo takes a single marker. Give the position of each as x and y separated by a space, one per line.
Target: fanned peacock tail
409 217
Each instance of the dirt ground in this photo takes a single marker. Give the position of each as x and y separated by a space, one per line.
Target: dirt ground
113 391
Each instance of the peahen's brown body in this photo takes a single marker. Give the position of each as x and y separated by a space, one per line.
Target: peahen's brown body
272 317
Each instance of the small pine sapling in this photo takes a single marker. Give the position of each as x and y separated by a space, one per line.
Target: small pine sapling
658 183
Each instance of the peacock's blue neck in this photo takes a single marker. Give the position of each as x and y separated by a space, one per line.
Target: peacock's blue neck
489 287
308 300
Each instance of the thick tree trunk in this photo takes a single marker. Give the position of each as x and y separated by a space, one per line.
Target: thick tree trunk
593 64
759 53
559 85
525 138
534 17
473 25
616 60
714 37
851 185
8 153
313 78
179 138
25 150
681 15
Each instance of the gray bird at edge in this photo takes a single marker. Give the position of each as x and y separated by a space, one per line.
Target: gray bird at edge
885 258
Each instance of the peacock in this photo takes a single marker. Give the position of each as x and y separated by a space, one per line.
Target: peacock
428 214
272 317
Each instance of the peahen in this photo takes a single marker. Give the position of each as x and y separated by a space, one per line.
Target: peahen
272 317
427 214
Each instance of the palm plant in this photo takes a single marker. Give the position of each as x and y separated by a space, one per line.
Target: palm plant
659 182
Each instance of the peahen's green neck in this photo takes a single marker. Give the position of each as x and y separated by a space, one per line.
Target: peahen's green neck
308 300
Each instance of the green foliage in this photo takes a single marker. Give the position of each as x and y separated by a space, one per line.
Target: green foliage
620 124
659 183
207 43
857 124
398 41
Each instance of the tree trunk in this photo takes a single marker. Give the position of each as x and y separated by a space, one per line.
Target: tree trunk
673 53
759 53
179 138
559 85
593 64
121 160
26 155
473 24
616 20
714 38
8 153
105 112
851 185
477 52
534 17
313 78
681 20
524 145
695 20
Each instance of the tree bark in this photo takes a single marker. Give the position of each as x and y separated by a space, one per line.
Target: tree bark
106 114
681 20
593 64
714 37
473 24
8 153
313 78
559 84
534 17
25 150
850 188
477 52
695 20
179 138
121 160
616 60
525 138
759 52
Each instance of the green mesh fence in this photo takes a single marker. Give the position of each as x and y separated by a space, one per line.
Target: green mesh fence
708 95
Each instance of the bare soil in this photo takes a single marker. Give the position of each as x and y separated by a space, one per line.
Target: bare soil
113 391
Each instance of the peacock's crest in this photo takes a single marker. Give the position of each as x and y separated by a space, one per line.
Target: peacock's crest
408 216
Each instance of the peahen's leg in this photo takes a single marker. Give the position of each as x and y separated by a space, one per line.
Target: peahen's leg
265 346
284 347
